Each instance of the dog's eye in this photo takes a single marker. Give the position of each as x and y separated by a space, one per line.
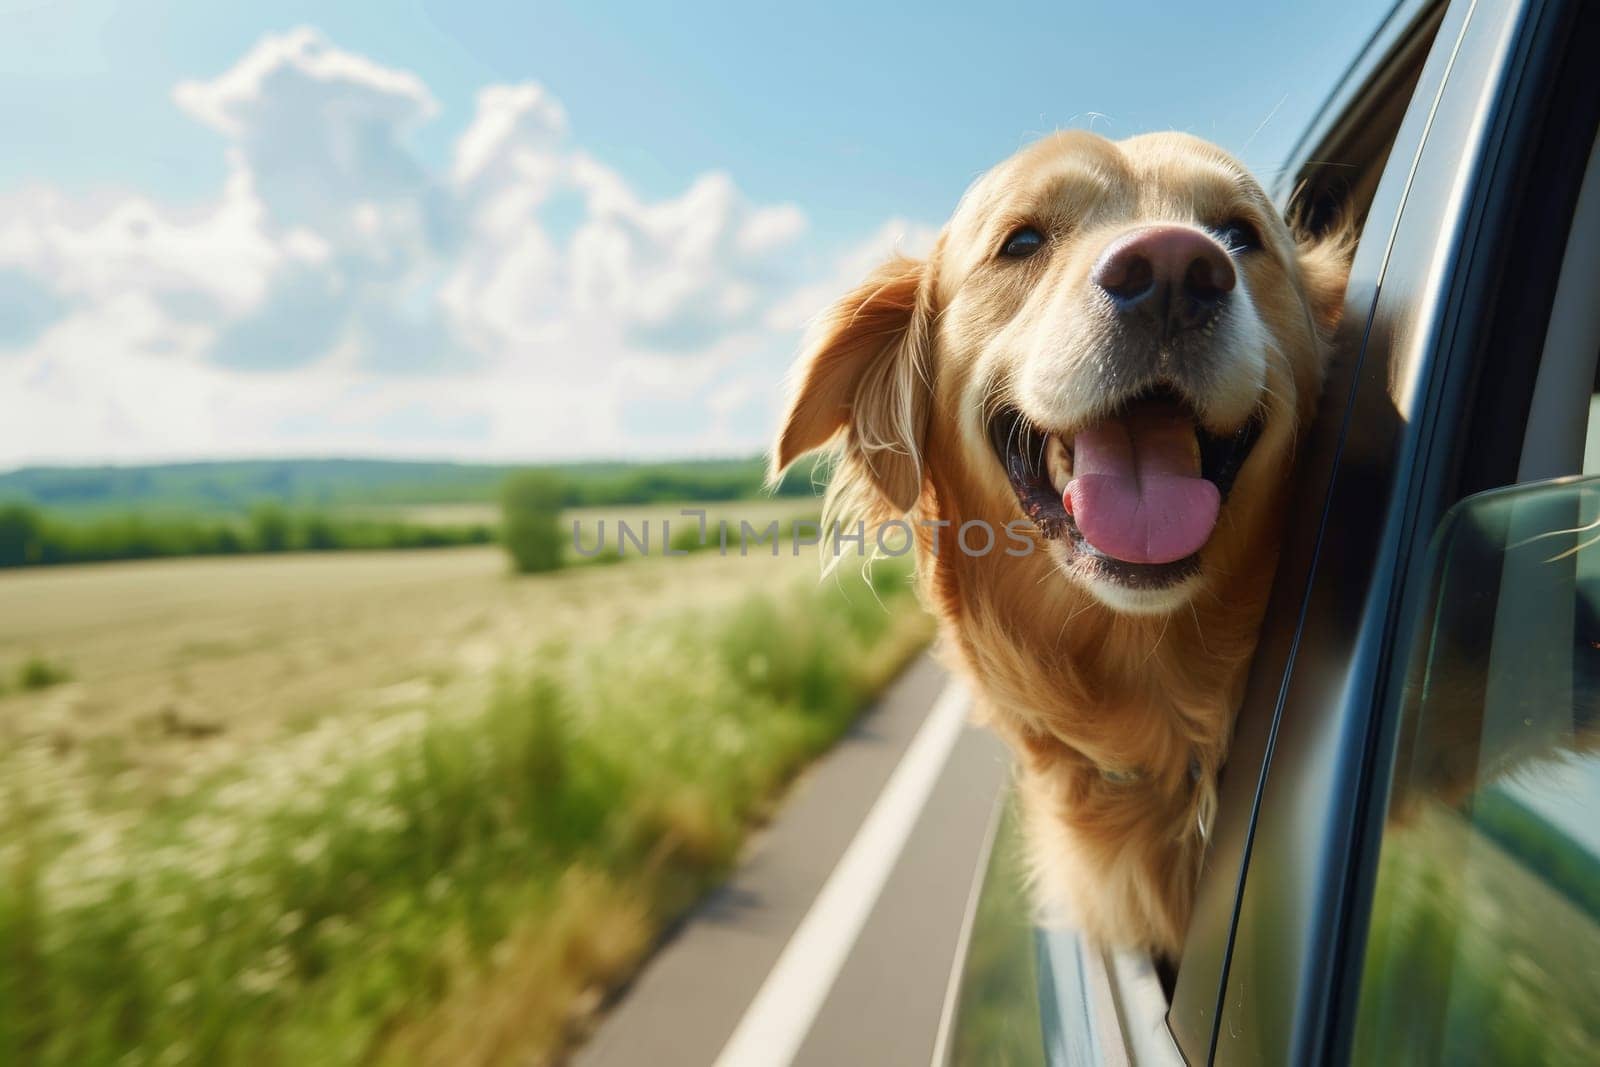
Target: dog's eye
1022 243
1238 235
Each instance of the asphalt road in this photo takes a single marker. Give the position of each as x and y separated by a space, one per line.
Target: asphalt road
833 942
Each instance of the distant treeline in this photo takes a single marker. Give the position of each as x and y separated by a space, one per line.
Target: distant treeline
322 485
30 537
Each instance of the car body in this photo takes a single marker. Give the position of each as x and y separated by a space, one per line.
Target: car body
1371 829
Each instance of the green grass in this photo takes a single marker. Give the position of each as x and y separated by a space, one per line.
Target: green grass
446 886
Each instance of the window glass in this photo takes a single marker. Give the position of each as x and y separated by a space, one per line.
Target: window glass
1484 942
1591 440
997 1014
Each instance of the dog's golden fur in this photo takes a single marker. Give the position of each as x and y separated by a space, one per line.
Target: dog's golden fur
1118 706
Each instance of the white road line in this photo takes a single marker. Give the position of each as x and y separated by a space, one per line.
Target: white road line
780 1016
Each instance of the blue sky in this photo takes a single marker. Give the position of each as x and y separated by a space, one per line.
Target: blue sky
532 230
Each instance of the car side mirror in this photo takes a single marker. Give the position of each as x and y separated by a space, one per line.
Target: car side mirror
1485 918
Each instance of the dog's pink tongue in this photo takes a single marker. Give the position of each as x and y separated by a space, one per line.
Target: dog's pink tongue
1137 494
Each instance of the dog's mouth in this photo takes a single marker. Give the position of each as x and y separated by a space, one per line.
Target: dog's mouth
1136 494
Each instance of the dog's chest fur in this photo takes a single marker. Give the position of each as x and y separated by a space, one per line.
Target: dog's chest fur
1120 726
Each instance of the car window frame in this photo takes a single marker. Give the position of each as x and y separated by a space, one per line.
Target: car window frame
1402 457
1398 47
1565 161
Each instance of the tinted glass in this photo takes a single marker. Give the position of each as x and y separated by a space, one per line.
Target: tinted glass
1484 944
997 1015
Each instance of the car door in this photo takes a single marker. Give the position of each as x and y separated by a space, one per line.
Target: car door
1433 398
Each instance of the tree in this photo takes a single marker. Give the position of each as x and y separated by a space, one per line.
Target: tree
530 506
269 528
20 536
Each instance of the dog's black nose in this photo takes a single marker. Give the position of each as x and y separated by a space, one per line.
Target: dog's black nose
1175 275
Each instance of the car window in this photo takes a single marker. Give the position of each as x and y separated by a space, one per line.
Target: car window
1355 166
1334 179
996 1010
1438 406
1484 940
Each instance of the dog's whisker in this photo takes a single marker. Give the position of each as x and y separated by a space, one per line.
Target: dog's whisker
1159 638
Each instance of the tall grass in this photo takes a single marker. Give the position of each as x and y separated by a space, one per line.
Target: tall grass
442 886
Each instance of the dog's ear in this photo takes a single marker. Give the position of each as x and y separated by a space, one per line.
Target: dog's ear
1323 253
1325 272
865 372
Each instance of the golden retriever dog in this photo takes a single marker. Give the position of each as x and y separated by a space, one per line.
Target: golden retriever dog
1099 372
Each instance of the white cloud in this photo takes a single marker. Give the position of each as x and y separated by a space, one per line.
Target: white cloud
771 227
321 131
339 295
234 102
515 126
220 257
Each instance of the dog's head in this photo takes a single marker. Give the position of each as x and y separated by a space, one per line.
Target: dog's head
1115 342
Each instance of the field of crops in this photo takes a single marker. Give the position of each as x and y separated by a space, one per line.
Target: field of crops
316 807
